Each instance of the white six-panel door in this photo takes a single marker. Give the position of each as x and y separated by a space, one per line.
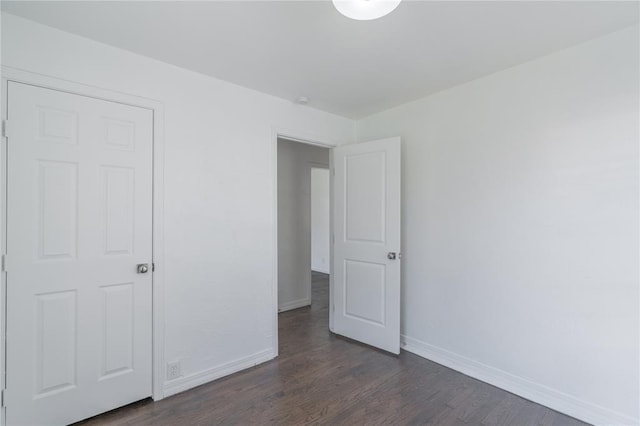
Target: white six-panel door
366 274
79 220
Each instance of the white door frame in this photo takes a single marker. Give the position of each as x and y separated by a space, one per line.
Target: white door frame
307 139
313 165
34 79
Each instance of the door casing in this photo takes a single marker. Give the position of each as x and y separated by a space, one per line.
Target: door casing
26 77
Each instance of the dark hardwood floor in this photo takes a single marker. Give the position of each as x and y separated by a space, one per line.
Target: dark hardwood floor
320 378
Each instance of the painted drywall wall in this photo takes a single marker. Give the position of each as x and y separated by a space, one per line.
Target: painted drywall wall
295 161
520 237
320 220
220 185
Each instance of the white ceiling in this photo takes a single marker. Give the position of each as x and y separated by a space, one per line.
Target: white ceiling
351 68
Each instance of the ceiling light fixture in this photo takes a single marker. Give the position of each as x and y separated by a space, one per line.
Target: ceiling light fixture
365 10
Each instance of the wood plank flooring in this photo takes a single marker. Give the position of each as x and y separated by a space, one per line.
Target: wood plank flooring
322 379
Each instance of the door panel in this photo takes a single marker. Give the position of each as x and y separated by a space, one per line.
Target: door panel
57 209
367 228
56 342
118 313
365 198
118 185
365 291
79 216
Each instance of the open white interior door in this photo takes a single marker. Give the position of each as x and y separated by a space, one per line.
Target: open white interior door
366 262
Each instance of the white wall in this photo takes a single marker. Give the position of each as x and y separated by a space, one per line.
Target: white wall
520 210
219 191
320 220
295 161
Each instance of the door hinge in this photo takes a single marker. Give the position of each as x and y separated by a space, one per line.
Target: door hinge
4 263
3 398
5 131
153 267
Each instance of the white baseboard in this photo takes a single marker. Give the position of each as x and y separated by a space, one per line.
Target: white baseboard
196 379
294 304
320 270
520 386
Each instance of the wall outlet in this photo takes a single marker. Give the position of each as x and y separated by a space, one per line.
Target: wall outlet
173 370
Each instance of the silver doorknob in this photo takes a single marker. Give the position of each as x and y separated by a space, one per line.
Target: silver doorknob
391 255
143 268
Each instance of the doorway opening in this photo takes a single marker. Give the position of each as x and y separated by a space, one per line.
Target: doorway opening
303 216
363 297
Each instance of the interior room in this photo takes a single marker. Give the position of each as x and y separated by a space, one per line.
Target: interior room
320 212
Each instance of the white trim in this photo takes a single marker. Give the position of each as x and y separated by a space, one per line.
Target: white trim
332 240
36 79
320 270
3 243
294 304
520 386
302 137
158 254
295 136
205 376
317 165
